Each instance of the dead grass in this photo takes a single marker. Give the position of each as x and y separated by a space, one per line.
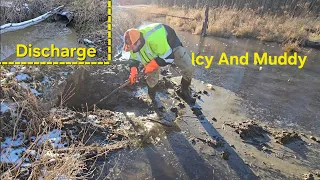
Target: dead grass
123 20
246 23
27 107
22 10
291 47
88 14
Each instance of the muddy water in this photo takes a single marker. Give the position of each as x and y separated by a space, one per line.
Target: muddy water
40 35
282 95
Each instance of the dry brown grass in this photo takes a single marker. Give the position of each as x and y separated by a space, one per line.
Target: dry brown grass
245 23
27 107
123 20
88 14
291 47
19 12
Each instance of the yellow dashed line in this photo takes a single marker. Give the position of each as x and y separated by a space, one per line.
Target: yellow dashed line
56 63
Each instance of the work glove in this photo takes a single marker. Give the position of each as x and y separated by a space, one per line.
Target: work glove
151 66
133 75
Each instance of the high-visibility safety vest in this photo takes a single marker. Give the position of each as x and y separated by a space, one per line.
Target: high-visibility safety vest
156 44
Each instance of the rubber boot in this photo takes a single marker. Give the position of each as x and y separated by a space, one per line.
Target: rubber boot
185 91
152 95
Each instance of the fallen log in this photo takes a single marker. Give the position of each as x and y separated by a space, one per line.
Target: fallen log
174 16
16 26
311 44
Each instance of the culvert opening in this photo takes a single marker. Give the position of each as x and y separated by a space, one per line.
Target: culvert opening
64 16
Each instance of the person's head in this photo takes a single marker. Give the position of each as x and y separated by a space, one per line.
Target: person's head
133 40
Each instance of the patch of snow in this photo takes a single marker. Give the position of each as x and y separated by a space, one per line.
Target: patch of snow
3 80
9 142
9 152
92 117
54 137
63 73
130 114
12 148
9 74
6 107
10 155
22 77
26 164
76 155
46 80
141 92
24 85
51 154
52 161
61 177
31 152
35 92
13 69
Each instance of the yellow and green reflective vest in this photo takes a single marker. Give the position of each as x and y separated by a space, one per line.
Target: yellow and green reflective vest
156 44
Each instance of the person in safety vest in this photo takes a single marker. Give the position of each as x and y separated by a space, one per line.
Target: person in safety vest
154 46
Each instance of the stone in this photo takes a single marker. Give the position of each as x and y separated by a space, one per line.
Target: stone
313 138
308 176
225 155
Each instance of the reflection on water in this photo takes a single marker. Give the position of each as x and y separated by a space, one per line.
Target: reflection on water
284 95
40 35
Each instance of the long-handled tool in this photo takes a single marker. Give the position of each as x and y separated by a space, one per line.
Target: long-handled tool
127 82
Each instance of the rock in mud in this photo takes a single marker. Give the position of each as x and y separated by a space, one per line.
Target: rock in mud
308 176
174 110
225 155
286 137
196 111
313 138
248 129
317 173
181 105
